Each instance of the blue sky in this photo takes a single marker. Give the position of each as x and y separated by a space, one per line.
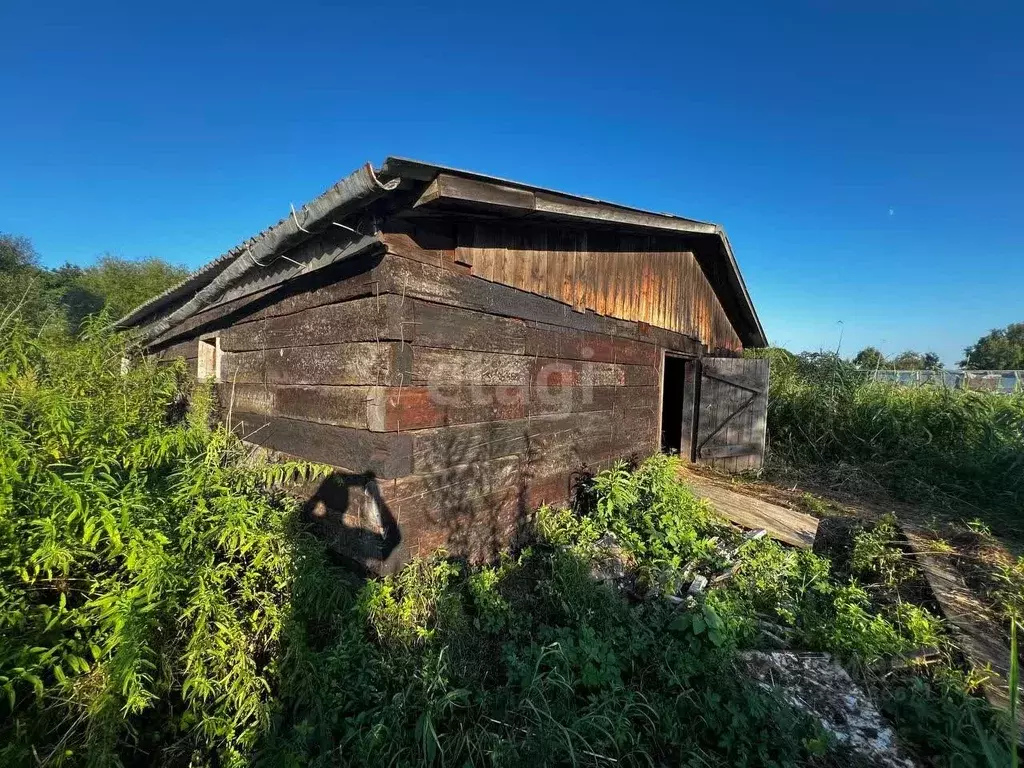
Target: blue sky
865 158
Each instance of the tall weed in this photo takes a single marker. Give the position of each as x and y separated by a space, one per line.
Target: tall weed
145 573
921 443
160 603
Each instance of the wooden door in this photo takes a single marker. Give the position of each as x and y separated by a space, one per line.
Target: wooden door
732 413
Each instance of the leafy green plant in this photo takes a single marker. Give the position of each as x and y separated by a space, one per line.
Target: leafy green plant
876 558
163 603
146 566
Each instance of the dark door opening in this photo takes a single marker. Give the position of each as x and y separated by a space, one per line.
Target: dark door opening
672 405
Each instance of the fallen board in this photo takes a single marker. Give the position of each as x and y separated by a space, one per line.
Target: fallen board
979 637
794 528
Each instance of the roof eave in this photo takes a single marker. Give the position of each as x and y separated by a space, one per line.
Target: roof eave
207 284
757 338
457 186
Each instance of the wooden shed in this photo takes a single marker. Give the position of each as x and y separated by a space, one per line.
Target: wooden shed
461 347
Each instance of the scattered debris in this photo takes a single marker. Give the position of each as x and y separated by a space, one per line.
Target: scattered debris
613 565
776 634
816 684
976 632
698 585
726 575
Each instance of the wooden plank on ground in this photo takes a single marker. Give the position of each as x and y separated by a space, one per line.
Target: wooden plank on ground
785 525
977 635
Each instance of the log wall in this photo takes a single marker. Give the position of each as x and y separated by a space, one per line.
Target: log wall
450 405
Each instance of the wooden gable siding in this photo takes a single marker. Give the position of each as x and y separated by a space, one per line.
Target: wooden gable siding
641 278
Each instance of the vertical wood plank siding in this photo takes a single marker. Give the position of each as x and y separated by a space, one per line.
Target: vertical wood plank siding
640 278
731 428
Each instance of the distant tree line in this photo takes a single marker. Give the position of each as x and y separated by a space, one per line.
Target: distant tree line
67 295
1001 349
871 358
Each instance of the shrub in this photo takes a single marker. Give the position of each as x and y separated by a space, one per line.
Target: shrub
146 575
162 603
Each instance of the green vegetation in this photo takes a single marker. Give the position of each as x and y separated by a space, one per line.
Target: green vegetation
1002 349
161 603
927 444
145 576
870 358
53 298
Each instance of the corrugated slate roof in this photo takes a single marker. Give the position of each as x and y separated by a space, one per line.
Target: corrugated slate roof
207 284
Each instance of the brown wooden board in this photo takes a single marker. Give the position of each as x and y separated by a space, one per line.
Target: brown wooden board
439 367
688 440
732 414
187 350
386 455
449 259
979 640
421 407
243 336
343 406
635 352
368 319
464 481
551 400
446 187
447 327
436 449
251 398
243 368
357 363
794 528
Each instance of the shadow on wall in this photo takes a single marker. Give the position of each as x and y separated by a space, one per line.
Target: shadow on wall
473 498
349 512
477 503
481 484
473 495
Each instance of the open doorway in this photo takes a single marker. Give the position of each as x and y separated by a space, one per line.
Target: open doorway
672 385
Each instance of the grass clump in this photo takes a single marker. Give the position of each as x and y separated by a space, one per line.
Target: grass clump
533 661
924 443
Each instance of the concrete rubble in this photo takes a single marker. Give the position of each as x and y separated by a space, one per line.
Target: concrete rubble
816 684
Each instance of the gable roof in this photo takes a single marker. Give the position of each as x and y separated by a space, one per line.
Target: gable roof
256 263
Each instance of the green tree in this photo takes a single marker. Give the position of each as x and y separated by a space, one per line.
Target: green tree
24 285
118 284
915 361
1002 349
16 253
50 297
869 358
